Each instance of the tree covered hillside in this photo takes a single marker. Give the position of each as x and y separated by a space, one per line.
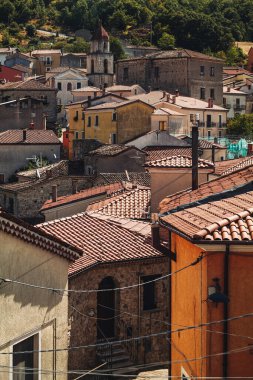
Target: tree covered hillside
204 25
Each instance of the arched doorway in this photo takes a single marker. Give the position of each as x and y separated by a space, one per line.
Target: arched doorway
106 309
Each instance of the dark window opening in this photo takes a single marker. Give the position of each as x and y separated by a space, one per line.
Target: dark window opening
26 364
202 70
69 86
78 85
212 93
114 116
125 73
96 121
59 86
202 93
105 66
149 292
89 121
92 66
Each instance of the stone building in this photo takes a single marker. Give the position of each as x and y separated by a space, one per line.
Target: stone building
191 73
100 60
74 60
25 198
47 59
33 319
35 89
116 255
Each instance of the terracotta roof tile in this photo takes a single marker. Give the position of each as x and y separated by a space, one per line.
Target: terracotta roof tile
160 152
134 204
138 178
29 84
222 167
178 162
248 161
15 136
100 240
84 194
215 186
33 235
59 168
109 150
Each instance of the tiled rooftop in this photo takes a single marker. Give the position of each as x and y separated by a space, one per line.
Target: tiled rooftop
248 161
223 217
59 168
15 136
84 194
140 179
33 235
223 167
178 162
203 144
109 150
161 152
100 240
133 204
113 105
30 84
218 185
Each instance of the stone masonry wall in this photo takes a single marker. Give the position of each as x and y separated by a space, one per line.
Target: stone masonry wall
129 309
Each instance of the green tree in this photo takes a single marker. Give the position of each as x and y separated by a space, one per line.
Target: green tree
166 42
241 125
116 48
30 30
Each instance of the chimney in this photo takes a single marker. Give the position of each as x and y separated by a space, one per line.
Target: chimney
164 94
24 134
174 99
168 98
54 193
177 93
89 101
31 126
155 233
74 186
195 141
228 88
210 103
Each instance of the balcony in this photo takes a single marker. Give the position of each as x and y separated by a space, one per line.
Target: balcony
227 106
239 107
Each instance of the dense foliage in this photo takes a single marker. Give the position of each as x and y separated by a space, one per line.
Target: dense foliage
204 25
241 125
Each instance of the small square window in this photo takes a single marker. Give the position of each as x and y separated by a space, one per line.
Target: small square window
149 292
59 86
202 70
78 85
89 121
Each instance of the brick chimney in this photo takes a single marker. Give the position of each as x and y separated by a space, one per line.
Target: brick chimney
54 193
155 234
174 99
24 134
210 103
31 126
228 88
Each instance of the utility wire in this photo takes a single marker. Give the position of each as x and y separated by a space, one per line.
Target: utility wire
7 280
139 337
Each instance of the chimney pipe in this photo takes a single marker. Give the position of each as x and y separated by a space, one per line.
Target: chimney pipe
195 141
177 93
228 89
174 99
213 153
74 187
24 134
54 193
155 233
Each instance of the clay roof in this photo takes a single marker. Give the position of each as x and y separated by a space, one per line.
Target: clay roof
133 204
230 90
110 150
59 168
221 167
248 161
22 68
161 152
100 34
113 105
178 162
32 235
34 137
30 84
102 241
215 186
225 216
84 194
141 178
203 144
46 51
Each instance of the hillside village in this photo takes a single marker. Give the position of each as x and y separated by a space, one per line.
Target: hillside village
126 214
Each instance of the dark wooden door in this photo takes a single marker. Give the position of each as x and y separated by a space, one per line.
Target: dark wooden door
106 309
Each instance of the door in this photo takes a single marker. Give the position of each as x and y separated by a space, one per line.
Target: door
106 309
208 121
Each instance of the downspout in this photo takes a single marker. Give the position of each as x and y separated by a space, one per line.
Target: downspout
225 325
169 308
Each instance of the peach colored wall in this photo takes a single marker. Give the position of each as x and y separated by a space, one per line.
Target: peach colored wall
165 182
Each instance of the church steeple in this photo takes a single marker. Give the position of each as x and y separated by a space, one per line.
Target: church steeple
100 59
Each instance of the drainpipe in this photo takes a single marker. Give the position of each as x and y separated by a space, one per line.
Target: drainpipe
169 309
225 325
195 140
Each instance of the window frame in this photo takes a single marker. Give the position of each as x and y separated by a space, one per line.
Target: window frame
96 123
19 340
202 91
89 121
146 288
59 86
202 70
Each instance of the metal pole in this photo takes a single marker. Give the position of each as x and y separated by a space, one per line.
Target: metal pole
195 141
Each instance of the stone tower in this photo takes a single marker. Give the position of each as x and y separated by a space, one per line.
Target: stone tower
100 60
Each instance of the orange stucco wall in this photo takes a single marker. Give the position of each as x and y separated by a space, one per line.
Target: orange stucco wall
191 307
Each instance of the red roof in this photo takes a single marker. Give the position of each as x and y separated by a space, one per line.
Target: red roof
84 194
34 137
178 162
218 185
33 235
101 240
221 217
221 167
30 84
159 152
100 34
132 204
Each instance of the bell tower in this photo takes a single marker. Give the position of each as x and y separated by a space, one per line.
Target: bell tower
100 60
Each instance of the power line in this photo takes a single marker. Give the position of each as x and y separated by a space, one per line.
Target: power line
7 280
137 338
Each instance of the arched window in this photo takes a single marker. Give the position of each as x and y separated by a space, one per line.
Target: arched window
69 86
92 66
105 66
